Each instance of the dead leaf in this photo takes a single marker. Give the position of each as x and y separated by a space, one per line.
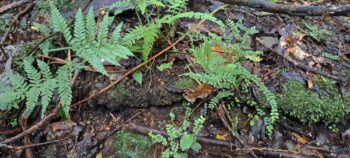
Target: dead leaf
222 134
99 155
309 84
219 51
300 139
201 91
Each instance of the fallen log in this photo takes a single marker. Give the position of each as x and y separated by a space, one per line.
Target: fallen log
301 10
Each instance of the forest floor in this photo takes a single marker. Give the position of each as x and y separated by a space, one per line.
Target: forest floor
96 128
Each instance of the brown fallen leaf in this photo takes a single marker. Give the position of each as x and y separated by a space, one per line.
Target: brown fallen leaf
222 134
201 91
309 84
99 155
300 139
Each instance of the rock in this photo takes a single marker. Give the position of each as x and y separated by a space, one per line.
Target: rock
346 136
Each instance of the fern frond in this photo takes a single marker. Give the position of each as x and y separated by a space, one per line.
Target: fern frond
17 81
122 52
79 29
176 6
59 24
149 38
108 53
44 69
216 99
32 97
41 28
103 29
90 26
32 73
115 38
64 88
194 15
93 59
135 34
46 94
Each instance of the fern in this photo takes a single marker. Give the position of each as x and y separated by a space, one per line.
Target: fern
39 88
176 6
225 72
149 39
330 56
193 15
59 24
90 44
216 99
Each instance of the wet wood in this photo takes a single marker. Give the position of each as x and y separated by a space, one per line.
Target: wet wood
301 10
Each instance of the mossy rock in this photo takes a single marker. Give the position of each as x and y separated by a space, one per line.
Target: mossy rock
310 107
132 95
130 145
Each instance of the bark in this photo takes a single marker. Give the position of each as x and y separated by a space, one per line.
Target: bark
302 10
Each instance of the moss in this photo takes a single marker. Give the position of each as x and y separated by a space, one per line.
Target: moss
309 107
181 85
128 94
130 145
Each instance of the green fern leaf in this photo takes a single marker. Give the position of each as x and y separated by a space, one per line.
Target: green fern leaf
115 38
90 26
64 88
195 15
59 24
32 73
103 29
94 60
44 69
149 39
79 29
46 94
32 101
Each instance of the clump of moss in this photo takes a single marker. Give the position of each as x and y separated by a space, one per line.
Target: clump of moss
310 107
184 83
130 145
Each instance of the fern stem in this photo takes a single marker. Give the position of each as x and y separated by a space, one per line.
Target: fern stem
58 49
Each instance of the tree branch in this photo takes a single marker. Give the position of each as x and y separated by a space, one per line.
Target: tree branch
264 5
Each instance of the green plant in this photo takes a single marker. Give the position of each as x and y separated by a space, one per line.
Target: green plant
180 138
130 145
38 89
224 71
320 35
310 107
148 34
14 122
330 56
90 44
165 66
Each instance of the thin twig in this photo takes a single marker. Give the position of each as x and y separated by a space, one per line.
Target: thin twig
39 144
34 127
12 5
15 22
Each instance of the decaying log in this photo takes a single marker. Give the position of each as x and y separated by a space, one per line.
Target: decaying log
302 10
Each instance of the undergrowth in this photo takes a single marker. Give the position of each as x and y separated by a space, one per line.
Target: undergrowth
224 71
180 139
88 43
130 145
